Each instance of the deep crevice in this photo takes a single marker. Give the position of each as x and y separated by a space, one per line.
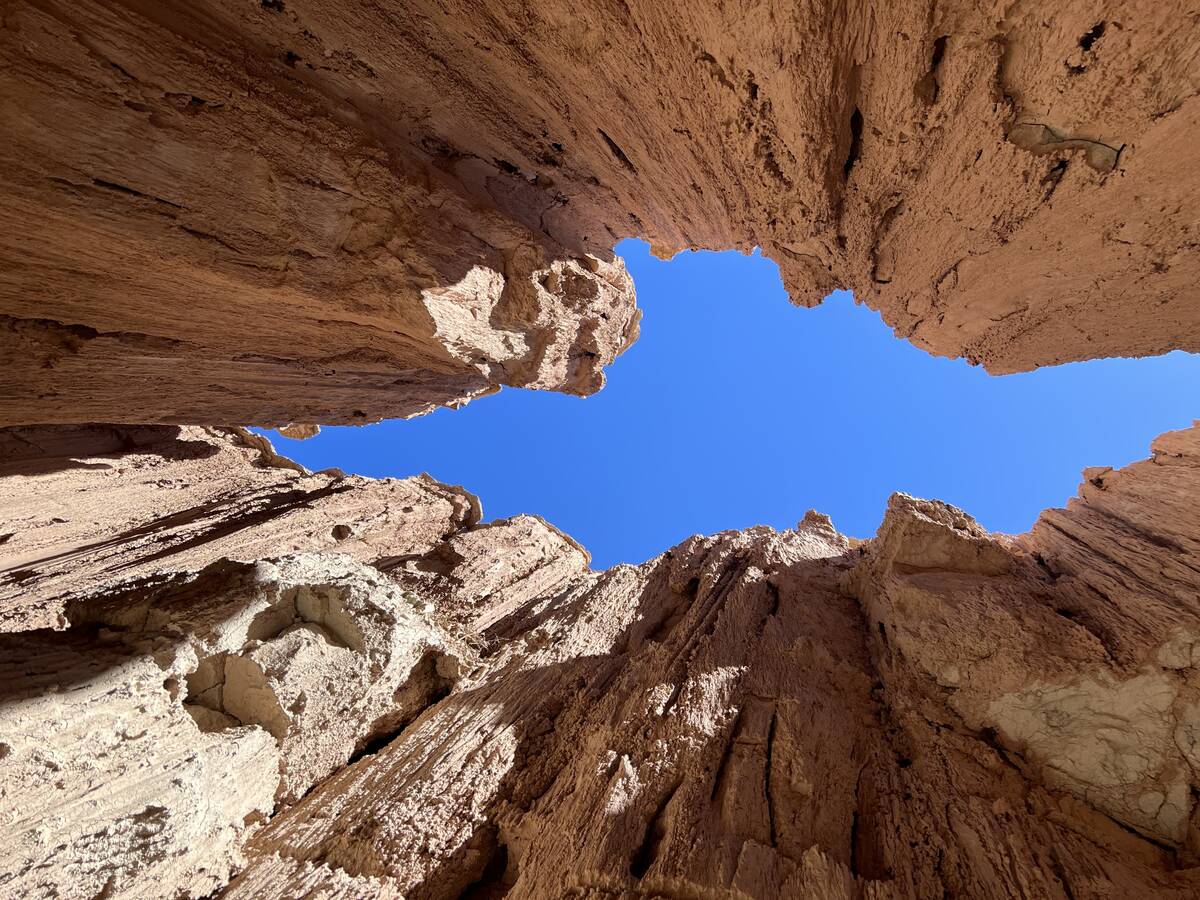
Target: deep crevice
726 754
616 151
929 87
772 828
1053 178
132 192
423 679
856 127
495 881
656 831
1092 35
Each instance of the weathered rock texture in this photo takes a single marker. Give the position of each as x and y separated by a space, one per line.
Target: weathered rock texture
136 727
938 711
227 211
187 238
84 507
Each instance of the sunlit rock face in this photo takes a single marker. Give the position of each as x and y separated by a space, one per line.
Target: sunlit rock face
173 717
428 710
289 212
86 507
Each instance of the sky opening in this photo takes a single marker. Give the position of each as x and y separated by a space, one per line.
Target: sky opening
735 408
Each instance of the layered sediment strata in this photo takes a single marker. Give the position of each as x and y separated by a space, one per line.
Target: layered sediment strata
282 212
755 713
86 507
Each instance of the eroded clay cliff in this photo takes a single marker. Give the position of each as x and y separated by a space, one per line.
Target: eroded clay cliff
222 674
754 714
286 211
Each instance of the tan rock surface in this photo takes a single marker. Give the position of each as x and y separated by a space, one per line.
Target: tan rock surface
324 653
185 241
269 682
82 508
142 745
754 714
222 211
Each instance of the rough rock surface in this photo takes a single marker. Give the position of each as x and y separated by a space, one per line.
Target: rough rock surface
937 711
143 744
225 211
188 239
323 652
84 507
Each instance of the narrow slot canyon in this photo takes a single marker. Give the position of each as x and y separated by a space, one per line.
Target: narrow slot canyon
239 664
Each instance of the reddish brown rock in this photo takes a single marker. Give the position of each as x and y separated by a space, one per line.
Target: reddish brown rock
939 710
187 239
224 672
223 211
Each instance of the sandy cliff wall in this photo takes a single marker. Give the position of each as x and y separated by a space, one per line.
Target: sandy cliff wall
222 673
752 714
228 211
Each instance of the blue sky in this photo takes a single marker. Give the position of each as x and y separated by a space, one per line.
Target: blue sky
735 408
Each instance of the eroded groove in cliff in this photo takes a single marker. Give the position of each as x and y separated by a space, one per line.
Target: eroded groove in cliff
650 848
726 754
768 764
425 688
856 127
617 152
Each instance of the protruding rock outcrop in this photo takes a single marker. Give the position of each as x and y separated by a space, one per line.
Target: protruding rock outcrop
762 714
86 507
188 239
270 213
1090 693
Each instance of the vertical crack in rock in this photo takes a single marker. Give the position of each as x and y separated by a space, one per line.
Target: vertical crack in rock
856 127
726 755
929 87
767 765
651 845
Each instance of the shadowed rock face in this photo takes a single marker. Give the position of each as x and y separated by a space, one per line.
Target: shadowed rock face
287 212
188 239
755 713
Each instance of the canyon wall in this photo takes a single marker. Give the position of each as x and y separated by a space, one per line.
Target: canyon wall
289 683
223 674
226 211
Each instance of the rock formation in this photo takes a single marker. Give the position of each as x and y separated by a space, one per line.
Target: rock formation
222 211
77 517
171 717
435 707
222 674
